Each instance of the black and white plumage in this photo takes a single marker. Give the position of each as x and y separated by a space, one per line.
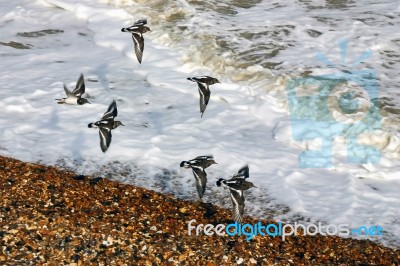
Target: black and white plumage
243 173
75 97
203 83
237 184
106 124
198 165
137 30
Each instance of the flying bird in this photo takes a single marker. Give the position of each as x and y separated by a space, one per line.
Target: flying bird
237 184
75 97
203 82
137 30
198 165
106 124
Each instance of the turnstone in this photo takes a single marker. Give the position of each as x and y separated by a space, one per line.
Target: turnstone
106 124
75 97
137 30
203 82
198 165
237 184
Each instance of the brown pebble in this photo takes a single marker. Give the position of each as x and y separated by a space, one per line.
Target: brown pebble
49 218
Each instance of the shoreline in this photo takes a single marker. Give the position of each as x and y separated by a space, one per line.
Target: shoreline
49 215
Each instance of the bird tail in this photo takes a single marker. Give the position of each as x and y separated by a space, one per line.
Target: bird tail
220 182
191 79
60 101
185 164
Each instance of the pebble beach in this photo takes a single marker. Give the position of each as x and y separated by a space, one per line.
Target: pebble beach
50 216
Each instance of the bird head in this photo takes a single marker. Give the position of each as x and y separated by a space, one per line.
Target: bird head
145 29
211 162
81 101
247 185
117 124
213 81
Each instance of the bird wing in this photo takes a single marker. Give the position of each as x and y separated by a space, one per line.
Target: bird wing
105 138
130 28
201 180
205 161
204 96
194 162
141 22
238 204
202 79
111 112
68 93
80 87
200 161
138 41
242 173
204 157
239 183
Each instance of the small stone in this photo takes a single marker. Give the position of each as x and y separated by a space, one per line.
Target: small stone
106 243
75 258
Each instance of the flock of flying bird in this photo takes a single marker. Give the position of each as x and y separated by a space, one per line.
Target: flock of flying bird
237 184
